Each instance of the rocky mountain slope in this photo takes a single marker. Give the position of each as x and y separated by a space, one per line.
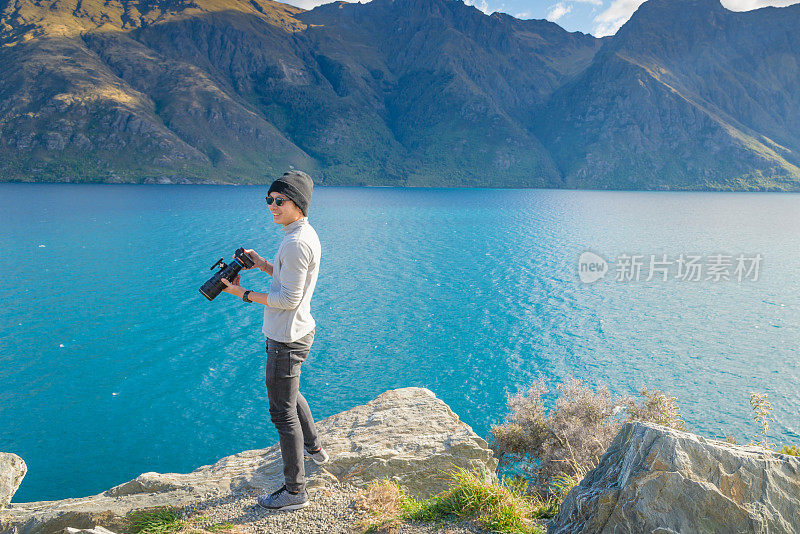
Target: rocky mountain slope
397 92
687 95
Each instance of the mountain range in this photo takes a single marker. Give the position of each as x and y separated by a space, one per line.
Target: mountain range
687 95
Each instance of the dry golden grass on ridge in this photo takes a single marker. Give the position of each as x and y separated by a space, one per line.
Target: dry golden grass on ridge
381 499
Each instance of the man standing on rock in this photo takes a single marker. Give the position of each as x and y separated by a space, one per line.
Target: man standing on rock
289 329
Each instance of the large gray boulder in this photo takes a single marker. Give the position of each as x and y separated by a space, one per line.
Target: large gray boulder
407 435
653 479
12 471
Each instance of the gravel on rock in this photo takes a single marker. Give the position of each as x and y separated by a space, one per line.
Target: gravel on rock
331 512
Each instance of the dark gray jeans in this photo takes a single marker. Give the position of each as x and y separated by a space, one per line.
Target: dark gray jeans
288 409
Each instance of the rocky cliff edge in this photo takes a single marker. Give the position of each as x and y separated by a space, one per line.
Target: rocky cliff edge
407 435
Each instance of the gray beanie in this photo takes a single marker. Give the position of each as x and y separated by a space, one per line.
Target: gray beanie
297 186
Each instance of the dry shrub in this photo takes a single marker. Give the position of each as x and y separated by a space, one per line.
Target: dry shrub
562 444
381 499
656 407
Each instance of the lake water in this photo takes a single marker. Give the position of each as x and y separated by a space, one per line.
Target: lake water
113 364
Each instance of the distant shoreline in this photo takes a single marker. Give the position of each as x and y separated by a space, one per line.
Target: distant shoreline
430 187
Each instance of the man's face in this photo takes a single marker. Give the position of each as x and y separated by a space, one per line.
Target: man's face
287 212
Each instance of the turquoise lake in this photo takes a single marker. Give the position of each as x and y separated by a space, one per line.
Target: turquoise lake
113 364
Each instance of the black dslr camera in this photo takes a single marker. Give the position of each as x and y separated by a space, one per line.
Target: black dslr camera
214 285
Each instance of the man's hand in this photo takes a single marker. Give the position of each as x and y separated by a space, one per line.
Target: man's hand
258 261
233 287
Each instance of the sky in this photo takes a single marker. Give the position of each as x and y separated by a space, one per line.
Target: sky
598 17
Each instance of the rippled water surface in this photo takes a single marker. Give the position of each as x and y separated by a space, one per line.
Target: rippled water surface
112 363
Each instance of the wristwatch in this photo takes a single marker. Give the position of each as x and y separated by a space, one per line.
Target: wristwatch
245 297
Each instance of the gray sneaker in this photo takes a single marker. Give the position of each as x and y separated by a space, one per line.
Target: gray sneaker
283 500
319 457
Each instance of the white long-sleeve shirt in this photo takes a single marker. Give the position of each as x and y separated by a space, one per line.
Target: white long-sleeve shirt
287 315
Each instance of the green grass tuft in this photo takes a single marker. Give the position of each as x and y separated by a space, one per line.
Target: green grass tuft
164 520
500 507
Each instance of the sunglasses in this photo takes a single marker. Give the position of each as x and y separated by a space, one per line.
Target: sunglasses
279 201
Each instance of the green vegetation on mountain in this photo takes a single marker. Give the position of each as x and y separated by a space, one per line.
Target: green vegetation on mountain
687 95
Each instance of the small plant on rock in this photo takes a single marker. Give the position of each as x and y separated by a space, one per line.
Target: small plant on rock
792 450
762 414
656 407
